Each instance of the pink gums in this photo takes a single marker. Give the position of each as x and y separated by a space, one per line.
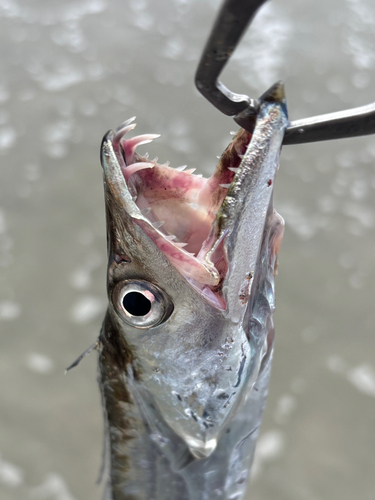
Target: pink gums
183 205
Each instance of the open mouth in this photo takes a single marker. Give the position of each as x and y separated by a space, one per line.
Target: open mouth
178 209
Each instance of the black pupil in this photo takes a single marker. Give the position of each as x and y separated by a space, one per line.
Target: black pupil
136 304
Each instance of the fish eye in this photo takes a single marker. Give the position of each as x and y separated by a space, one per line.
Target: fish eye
141 304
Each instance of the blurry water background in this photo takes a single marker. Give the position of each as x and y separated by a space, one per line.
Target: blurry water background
70 70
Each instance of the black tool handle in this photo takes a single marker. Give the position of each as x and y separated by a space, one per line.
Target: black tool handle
231 23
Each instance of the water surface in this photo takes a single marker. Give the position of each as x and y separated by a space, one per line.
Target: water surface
70 71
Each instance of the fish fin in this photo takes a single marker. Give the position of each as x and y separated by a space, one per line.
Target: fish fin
83 355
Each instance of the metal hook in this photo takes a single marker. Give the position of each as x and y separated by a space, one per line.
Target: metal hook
231 23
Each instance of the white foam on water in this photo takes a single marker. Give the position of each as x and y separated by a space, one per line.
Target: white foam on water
359 189
95 71
303 225
356 41
86 309
6 259
362 378
364 215
39 363
76 11
56 135
270 444
123 95
346 260
7 137
285 406
54 487
3 225
56 151
10 474
269 447
174 47
361 80
143 20
88 107
4 94
336 364
357 279
137 5
70 36
261 54
32 172
4 116
327 204
59 131
63 12
9 310
55 82
336 85
346 158
9 8
80 279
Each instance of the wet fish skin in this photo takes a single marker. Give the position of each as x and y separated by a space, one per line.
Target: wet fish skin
183 399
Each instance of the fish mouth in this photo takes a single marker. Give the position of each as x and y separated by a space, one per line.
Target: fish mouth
178 210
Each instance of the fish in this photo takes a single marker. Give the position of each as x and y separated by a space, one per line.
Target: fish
186 344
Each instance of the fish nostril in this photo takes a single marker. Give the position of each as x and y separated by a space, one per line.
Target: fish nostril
136 304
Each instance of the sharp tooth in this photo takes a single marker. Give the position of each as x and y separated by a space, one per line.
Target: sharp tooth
190 170
125 123
218 157
146 211
146 156
180 169
170 237
130 145
165 164
199 175
226 186
158 224
135 167
233 169
241 156
232 133
180 245
121 131
134 198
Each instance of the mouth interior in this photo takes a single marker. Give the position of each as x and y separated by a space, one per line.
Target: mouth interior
178 208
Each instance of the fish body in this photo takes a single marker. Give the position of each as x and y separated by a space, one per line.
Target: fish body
186 344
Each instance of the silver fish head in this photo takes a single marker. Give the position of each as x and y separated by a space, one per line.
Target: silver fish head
186 256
